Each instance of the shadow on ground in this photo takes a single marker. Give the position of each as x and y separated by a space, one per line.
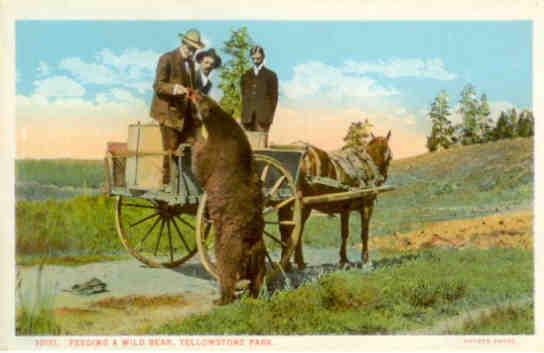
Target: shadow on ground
297 277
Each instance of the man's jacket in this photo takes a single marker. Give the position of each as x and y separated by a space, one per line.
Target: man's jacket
259 96
166 108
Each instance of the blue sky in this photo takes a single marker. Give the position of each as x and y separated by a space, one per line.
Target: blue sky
394 67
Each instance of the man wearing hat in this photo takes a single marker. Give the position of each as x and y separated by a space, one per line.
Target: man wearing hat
208 61
259 94
170 106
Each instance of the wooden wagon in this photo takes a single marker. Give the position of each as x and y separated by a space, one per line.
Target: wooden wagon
166 227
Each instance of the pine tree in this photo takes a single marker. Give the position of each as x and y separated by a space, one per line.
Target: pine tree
442 129
526 124
237 47
512 126
501 128
469 108
358 134
484 120
508 125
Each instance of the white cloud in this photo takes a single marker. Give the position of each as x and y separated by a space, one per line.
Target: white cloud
315 81
132 68
495 109
396 68
58 86
43 69
88 72
134 62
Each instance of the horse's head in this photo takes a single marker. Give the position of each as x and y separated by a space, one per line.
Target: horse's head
378 148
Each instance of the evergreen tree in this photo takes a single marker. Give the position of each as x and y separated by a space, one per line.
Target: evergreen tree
469 108
442 129
237 47
501 128
484 120
358 134
509 125
526 124
512 126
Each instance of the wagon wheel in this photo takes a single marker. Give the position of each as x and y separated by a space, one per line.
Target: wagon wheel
280 195
157 234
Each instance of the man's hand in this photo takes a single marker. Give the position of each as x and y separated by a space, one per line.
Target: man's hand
179 90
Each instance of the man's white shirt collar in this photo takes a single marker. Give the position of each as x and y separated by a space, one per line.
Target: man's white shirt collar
204 78
257 69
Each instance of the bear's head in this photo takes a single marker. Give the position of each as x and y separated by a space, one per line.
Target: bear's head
208 109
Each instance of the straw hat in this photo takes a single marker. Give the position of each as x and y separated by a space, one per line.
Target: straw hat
192 38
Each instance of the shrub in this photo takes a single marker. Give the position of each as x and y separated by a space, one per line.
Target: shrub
427 292
341 294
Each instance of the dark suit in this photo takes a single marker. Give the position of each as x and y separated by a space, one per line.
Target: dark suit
166 108
174 113
259 99
204 88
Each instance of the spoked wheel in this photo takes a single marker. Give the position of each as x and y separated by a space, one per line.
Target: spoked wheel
157 234
281 211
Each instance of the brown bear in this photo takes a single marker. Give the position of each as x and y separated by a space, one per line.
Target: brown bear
223 165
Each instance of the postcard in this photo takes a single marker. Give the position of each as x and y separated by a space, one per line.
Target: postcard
283 177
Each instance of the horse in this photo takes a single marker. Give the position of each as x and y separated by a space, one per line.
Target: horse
363 166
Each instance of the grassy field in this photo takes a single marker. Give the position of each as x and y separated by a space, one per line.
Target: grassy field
403 294
463 182
75 231
60 172
53 179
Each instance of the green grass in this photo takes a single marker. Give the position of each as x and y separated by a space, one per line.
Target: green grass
34 314
83 225
501 320
80 230
35 191
60 172
32 260
410 294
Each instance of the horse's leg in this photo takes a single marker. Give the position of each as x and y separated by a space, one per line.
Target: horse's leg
344 228
366 214
286 214
299 257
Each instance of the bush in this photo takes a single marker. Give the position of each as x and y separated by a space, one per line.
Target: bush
427 292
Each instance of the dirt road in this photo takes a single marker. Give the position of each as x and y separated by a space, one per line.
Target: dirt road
138 297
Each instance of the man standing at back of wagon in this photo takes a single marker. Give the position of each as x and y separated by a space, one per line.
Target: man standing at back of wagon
170 106
259 94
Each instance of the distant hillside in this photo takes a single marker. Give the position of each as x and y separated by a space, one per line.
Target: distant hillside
466 181
41 179
60 172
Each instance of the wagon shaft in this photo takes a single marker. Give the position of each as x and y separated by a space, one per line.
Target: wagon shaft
347 195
